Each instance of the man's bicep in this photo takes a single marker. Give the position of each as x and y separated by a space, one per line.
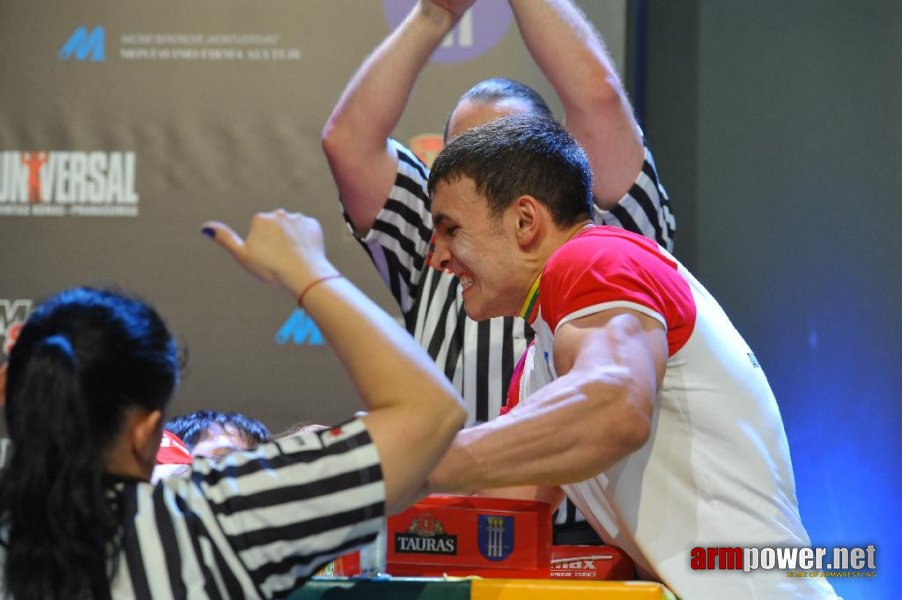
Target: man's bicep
613 143
364 182
618 338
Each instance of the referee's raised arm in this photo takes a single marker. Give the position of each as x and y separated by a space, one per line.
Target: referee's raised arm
413 411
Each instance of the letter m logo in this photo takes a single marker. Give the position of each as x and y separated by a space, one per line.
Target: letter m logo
84 44
299 329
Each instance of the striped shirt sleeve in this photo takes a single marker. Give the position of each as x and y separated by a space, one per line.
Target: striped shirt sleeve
645 209
257 524
399 241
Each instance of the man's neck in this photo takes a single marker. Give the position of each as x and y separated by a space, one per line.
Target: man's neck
555 238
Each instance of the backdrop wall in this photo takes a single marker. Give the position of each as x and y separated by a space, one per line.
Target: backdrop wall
778 128
126 125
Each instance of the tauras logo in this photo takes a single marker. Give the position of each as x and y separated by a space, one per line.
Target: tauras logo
408 543
55 183
426 535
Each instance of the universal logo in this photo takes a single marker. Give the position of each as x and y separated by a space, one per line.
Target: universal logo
53 183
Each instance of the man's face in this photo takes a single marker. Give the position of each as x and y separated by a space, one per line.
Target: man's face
219 442
481 250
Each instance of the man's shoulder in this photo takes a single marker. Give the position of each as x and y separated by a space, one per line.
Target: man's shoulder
408 161
602 245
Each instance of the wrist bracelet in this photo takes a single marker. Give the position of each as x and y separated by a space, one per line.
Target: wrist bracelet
314 283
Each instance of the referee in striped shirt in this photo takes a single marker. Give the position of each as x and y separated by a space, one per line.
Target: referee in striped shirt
382 184
85 391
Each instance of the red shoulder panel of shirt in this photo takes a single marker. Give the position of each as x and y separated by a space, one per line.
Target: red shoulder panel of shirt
607 264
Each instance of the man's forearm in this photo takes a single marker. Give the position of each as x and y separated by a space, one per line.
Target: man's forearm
573 57
566 48
567 433
355 136
374 100
488 456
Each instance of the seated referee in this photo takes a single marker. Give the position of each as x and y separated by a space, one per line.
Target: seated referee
85 391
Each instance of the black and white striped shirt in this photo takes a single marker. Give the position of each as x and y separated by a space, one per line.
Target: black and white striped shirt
478 358
257 524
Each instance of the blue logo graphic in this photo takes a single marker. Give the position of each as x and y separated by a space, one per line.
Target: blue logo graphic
477 32
495 537
299 329
84 45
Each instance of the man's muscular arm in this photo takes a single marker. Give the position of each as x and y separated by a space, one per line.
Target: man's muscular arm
573 57
596 413
355 138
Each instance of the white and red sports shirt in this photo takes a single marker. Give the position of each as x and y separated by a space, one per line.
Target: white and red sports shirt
716 470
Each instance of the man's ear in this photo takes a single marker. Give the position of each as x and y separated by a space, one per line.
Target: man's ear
529 219
146 433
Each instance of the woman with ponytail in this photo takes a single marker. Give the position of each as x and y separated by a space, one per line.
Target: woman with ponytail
85 391
86 363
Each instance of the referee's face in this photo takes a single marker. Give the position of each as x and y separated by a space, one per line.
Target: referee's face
480 249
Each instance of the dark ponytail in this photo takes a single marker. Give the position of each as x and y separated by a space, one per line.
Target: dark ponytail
81 360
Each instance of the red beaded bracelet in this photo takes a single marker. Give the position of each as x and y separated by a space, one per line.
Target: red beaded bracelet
314 283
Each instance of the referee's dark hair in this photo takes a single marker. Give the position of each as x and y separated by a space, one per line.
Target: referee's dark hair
83 359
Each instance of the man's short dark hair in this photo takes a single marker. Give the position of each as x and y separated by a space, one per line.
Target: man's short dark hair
498 89
522 154
194 427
